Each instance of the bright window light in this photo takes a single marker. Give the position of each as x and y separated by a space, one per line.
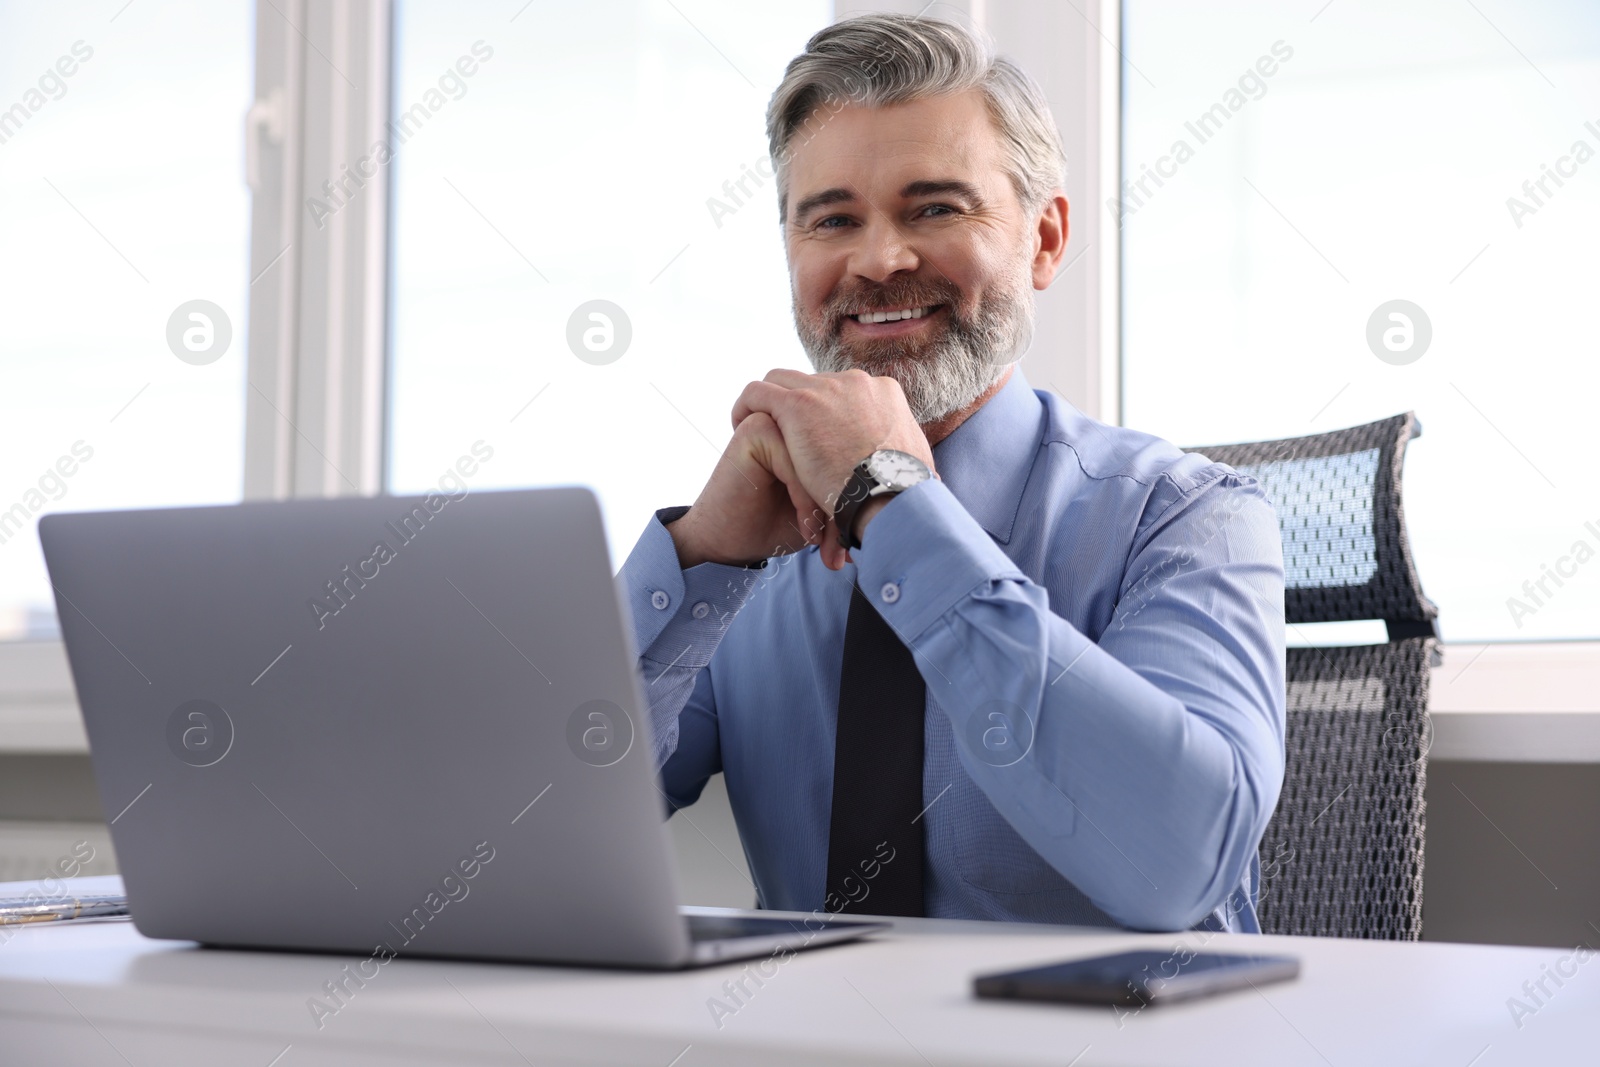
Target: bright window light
588 266
1335 215
126 225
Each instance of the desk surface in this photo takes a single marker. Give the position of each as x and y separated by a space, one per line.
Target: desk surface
101 993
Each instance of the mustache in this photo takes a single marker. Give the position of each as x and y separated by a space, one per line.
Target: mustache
860 298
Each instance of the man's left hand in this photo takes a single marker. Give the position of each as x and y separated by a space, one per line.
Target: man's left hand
830 423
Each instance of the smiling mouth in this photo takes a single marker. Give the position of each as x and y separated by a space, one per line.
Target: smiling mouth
895 315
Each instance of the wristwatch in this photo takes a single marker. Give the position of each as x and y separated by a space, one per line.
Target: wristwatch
883 473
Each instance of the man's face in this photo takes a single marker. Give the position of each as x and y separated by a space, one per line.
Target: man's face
910 209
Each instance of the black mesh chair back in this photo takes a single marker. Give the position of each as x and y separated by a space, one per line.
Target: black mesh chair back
1342 856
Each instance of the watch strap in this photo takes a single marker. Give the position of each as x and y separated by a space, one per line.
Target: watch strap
856 493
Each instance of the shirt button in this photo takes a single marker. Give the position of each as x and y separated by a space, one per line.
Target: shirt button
890 592
700 610
659 600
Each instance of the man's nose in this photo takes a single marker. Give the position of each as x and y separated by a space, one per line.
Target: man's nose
883 250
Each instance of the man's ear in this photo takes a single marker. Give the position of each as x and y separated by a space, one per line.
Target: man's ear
1050 240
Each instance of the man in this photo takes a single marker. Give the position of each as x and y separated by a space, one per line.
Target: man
957 649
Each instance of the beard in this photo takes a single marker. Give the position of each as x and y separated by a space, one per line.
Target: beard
957 360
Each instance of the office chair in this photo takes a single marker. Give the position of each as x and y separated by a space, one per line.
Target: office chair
1342 856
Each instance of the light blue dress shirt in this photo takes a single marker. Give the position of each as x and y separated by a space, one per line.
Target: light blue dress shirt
1099 620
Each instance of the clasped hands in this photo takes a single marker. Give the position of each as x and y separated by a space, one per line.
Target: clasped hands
797 438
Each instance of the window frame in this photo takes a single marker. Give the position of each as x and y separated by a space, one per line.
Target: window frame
315 420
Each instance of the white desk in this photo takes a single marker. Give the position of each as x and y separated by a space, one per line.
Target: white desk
102 994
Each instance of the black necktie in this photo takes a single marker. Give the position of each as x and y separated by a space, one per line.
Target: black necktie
875 833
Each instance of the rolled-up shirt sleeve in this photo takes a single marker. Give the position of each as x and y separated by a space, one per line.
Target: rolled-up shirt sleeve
1143 767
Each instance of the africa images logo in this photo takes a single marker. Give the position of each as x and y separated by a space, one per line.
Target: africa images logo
599 733
199 733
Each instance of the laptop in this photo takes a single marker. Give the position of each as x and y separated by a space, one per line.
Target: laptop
392 726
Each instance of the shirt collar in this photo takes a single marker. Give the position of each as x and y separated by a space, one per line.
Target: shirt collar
987 460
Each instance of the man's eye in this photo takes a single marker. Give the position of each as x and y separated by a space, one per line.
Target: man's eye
833 222
937 211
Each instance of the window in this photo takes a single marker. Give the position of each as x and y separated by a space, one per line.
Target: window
123 203
1290 175
587 259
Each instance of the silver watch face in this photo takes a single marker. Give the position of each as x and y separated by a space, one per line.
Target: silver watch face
896 471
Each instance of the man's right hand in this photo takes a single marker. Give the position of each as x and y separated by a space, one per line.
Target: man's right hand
753 506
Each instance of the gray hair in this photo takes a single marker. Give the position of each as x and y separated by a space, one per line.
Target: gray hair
880 59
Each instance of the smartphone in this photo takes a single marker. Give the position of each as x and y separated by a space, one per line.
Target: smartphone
1137 978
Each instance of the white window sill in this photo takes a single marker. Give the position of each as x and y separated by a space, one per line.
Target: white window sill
38 708
1521 702
1516 702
